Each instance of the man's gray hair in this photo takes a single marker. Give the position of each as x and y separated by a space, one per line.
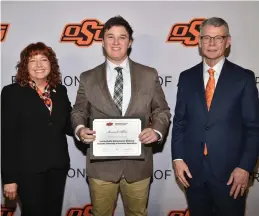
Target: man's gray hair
216 22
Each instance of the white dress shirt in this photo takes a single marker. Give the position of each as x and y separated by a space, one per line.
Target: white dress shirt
217 68
111 75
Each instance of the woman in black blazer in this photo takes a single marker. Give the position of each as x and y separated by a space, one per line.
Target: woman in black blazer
35 117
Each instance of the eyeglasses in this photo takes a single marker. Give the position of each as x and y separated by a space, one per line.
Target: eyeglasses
217 39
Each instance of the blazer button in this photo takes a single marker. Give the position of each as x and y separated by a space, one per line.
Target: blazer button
50 123
206 128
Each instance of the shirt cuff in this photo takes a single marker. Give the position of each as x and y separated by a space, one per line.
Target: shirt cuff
177 159
77 128
161 136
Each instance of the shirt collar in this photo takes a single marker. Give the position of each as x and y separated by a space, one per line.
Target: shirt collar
217 68
124 65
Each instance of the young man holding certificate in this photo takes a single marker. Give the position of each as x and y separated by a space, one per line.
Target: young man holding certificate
124 105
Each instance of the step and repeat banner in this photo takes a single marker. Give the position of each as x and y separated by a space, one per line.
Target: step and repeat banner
165 37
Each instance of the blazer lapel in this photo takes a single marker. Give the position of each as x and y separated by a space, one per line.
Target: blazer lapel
222 88
134 70
53 96
106 96
201 89
38 101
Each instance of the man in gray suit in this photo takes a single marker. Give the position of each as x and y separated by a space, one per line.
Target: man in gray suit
98 97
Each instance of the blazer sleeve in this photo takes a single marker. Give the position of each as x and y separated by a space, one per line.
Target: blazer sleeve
160 110
68 129
250 114
179 123
80 111
10 133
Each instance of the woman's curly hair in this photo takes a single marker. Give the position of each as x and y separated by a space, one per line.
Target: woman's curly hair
22 76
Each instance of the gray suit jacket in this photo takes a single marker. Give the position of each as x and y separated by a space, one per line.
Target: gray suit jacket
147 100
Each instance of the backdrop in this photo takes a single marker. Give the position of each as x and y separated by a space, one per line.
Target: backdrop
165 37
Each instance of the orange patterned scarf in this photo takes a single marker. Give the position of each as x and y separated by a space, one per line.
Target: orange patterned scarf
45 96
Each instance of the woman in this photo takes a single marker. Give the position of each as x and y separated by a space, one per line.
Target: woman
35 121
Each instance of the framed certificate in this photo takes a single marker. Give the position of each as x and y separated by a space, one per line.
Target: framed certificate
117 138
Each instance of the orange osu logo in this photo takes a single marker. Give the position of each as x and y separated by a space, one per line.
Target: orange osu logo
186 33
83 34
85 211
179 213
4 30
6 211
77 211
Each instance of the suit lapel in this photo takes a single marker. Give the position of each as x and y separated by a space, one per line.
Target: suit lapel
38 101
134 70
106 96
223 86
201 89
53 96
222 91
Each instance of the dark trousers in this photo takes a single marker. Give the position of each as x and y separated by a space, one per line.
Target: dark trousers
211 197
41 194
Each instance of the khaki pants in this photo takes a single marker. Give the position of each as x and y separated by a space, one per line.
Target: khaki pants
104 196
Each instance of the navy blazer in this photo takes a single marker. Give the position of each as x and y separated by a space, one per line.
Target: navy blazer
230 129
32 140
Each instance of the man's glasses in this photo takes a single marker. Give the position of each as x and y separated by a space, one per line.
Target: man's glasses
217 39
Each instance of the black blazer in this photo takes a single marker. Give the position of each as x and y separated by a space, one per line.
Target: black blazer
230 129
32 140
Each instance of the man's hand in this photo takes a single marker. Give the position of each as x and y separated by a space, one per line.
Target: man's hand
148 135
86 135
239 179
180 169
10 191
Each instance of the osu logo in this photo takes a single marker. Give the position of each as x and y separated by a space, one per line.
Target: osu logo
85 211
179 213
109 124
5 211
83 34
186 33
4 30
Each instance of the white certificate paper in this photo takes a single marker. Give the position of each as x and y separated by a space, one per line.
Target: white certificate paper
117 137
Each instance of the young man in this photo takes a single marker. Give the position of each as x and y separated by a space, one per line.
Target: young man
120 87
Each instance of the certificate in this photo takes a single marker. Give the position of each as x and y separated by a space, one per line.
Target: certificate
117 138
